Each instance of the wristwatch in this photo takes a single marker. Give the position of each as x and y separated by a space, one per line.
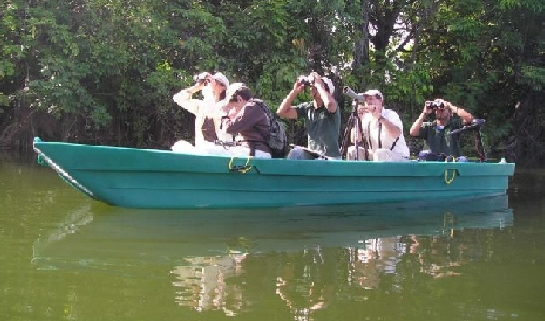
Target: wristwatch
381 118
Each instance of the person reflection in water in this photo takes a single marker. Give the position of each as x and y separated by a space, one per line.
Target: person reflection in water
379 257
308 285
202 283
376 257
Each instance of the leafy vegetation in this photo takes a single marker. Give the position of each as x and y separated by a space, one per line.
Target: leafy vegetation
104 71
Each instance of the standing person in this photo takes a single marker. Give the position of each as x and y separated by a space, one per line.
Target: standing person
322 117
437 134
207 114
247 122
382 129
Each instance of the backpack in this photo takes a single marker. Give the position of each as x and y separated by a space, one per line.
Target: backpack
278 139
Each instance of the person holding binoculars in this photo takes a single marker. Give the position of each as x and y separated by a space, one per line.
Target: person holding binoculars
382 130
207 111
321 115
437 133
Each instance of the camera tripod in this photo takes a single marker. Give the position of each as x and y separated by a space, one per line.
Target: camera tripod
354 122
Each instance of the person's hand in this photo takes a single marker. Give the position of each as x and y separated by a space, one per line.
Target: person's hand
210 78
450 106
375 111
299 87
362 108
232 113
202 78
316 77
428 109
318 81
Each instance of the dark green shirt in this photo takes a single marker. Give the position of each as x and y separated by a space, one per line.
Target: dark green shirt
323 128
439 140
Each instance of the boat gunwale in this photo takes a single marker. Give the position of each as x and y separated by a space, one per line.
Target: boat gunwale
218 164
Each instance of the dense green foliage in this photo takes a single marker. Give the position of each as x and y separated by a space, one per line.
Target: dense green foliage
104 71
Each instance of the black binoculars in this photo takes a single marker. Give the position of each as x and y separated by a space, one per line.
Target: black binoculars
435 104
306 80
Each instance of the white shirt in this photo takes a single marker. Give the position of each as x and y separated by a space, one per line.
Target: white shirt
206 107
371 130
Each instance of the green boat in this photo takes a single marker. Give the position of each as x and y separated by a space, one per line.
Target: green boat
163 179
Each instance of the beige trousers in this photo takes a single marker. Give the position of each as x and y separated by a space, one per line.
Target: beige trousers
379 155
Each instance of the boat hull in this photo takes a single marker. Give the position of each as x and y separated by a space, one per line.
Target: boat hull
147 178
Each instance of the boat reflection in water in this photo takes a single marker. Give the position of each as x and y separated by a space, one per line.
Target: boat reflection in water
228 260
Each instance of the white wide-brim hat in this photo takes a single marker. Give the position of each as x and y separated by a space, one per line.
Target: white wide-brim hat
221 78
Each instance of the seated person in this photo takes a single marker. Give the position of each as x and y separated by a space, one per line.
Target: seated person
247 122
382 131
437 133
321 115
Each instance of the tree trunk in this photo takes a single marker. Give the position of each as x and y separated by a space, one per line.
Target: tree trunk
362 44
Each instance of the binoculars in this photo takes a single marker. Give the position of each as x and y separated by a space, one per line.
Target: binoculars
306 80
202 78
435 104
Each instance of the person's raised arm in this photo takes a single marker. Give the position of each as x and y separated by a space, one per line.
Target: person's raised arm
286 109
184 98
415 128
329 101
466 116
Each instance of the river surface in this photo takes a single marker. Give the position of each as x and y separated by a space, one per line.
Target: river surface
66 257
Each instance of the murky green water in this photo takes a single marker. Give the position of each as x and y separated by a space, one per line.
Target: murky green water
64 257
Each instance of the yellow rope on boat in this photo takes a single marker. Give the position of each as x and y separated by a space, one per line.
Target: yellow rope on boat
242 169
447 180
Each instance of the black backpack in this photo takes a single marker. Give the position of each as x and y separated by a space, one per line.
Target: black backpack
278 139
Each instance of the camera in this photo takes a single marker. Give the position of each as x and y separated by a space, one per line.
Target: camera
306 80
202 78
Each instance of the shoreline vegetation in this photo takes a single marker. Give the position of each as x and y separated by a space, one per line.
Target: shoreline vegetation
104 73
